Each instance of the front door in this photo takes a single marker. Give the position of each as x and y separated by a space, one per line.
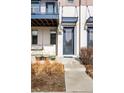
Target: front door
68 41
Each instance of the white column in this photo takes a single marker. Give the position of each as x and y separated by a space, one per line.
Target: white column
83 34
60 36
76 35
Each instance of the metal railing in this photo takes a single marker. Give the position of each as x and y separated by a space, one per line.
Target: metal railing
37 9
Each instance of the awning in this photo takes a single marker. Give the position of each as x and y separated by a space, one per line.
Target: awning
69 21
89 22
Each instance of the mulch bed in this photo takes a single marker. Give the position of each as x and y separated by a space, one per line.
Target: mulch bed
47 77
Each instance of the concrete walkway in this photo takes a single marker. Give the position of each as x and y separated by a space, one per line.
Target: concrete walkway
76 80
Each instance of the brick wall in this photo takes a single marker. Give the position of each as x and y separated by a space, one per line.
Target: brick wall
87 2
76 3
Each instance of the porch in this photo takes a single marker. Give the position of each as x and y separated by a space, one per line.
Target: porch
43 42
44 23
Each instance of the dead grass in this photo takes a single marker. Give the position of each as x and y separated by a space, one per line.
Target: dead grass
47 77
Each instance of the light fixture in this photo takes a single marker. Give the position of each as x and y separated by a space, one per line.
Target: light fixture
60 28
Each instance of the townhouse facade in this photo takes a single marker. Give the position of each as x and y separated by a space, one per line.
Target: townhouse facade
61 27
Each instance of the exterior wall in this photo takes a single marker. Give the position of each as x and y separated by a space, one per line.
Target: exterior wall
60 35
76 40
76 2
66 10
66 3
44 37
60 44
84 17
70 11
44 33
87 2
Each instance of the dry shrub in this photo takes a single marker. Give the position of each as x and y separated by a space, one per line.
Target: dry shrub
47 61
37 60
57 68
36 68
89 70
86 56
47 67
47 76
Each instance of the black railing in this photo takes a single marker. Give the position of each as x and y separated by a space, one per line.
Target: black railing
36 8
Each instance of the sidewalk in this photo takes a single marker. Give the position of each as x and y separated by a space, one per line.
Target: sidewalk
77 81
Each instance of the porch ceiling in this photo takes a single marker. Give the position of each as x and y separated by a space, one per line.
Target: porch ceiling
44 22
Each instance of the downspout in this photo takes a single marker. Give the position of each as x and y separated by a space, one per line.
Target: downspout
57 40
58 25
57 29
79 23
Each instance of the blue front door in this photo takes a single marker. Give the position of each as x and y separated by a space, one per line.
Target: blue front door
68 41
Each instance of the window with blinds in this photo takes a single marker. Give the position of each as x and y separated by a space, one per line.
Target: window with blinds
34 37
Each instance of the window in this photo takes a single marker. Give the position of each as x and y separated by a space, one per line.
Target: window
50 7
70 1
90 37
35 7
34 37
52 38
35 10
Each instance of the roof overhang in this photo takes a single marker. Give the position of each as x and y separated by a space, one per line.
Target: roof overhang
89 22
69 21
90 25
44 22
